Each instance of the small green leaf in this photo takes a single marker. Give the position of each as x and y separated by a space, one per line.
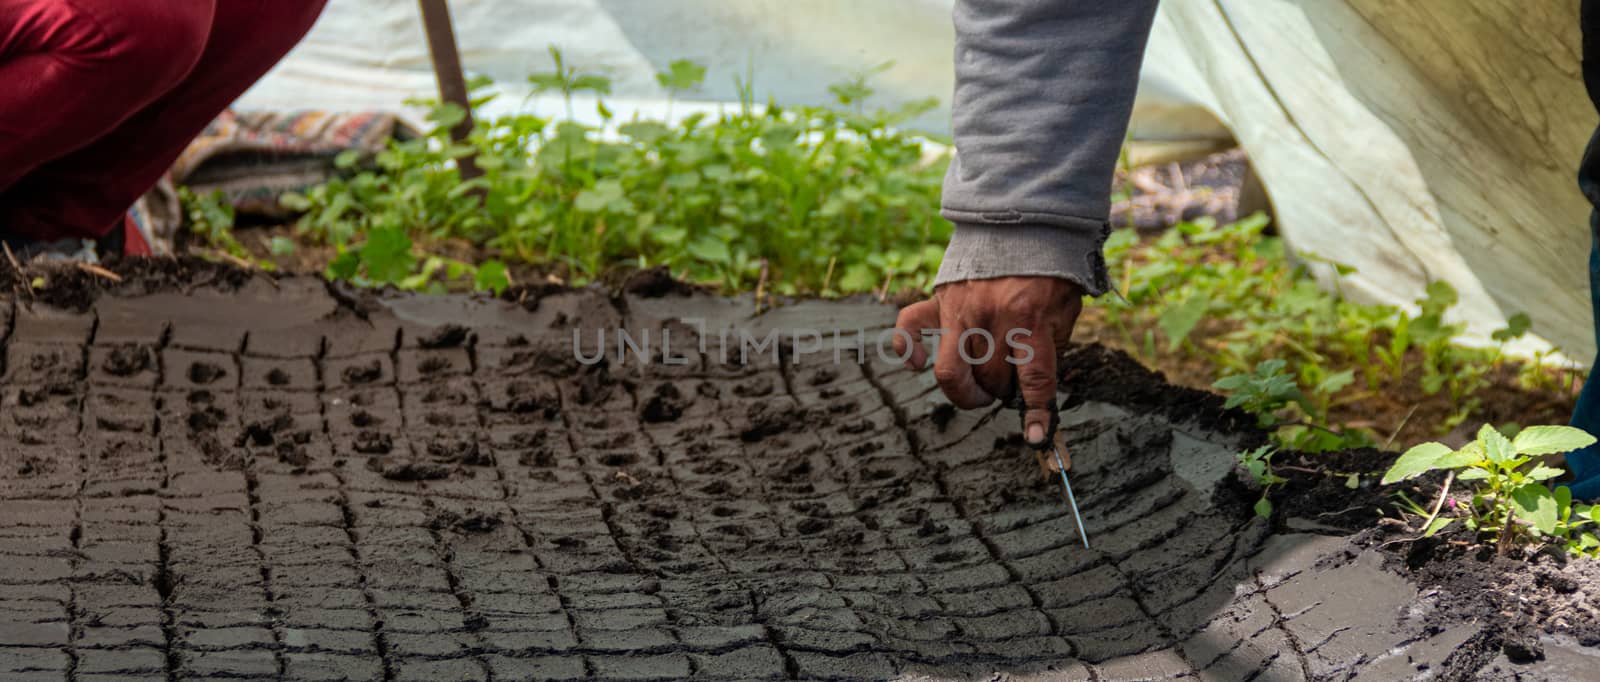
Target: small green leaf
346 266
295 201
669 236
1470 454
1473 474
492 276
1550 440
1264 508
681 181
387 254
1544 473
544 82
1515 328
1336 382
1176 322
646 132
682 75
1352 481
1535 504
282 246
348 159
710 250
590 201
447 115
599 85
1496 447
1416 461
858 277
1437 525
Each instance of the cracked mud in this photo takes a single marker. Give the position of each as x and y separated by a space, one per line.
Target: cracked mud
287 481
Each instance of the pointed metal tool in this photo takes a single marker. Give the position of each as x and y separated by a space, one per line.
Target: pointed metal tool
1055 446
1061 467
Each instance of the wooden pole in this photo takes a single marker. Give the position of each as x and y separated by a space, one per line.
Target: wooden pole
447 69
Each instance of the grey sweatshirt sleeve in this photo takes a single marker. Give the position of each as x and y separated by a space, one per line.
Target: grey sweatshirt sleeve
1044 89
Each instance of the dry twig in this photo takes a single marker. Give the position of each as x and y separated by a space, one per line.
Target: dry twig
100 272
761 286
22 284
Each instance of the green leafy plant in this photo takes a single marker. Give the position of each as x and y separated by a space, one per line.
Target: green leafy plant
835 200
1262 392
210 220
387 257
1258 463
1511 501
1230 297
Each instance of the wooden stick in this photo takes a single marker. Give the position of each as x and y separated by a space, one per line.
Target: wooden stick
12 257
761 285
26 287
100 272
447 69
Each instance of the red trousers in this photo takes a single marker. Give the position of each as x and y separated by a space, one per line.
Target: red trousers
99 97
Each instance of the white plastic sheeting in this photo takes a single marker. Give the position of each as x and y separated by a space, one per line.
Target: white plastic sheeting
1430 139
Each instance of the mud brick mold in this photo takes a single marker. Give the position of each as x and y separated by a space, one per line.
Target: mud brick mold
286 479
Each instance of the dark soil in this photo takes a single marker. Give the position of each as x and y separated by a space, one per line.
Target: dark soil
340 487
70 287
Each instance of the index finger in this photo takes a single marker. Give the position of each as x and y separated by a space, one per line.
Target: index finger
1034 353
913 319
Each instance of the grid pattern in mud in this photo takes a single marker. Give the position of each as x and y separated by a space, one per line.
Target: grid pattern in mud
308 489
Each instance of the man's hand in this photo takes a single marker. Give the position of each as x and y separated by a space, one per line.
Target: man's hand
1027 319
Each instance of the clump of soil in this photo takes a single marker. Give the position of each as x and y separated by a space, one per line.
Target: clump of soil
764 419
1102 374
472 522
410 470
365 373
656 282
459 450
1318 486
203 373
666 404
447 336
527 398
373 443
129 359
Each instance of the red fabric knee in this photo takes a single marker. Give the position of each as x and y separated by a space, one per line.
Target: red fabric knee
74 71
85 191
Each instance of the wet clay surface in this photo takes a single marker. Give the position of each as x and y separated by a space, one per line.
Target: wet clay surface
283 480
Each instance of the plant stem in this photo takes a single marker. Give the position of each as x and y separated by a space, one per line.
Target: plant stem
1505 534
1396 433
1438 504
1310 425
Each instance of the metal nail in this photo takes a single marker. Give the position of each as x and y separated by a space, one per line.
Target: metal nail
1062 467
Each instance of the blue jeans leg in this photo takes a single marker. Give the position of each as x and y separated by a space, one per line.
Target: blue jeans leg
1585 463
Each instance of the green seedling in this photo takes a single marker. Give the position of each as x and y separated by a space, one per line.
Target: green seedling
1511 501
1263 392
1258 463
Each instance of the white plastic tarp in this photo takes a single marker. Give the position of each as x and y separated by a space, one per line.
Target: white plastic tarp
1429 139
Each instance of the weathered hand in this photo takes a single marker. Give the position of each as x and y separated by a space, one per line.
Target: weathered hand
1010 329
